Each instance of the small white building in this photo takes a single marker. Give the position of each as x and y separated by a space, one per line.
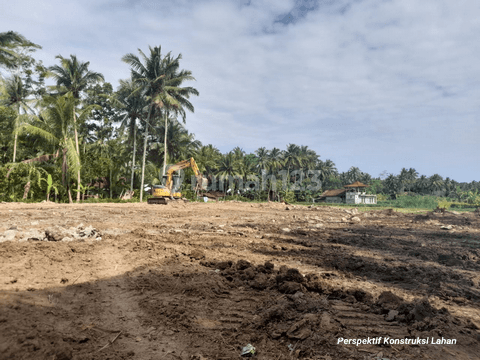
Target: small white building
355 195
352 194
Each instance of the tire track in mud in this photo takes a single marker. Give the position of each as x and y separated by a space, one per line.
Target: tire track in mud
219 315
359 321
118 309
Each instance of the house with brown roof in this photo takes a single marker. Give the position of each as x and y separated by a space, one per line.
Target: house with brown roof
351 194
333 196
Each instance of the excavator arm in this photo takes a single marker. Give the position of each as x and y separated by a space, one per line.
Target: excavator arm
182 165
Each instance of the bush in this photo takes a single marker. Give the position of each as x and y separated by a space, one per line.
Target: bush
386 203
189 194
289 196
416 202
444 204
381 197
108 200
235 197
461 205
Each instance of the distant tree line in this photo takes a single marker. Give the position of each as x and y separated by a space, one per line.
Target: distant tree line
81 136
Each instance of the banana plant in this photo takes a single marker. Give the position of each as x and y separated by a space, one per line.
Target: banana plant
50 186
83 189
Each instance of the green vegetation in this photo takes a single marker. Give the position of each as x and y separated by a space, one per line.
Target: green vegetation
81 137
416 202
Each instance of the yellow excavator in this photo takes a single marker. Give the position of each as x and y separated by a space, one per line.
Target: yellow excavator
162 194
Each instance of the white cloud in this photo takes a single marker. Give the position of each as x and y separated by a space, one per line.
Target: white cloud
375 84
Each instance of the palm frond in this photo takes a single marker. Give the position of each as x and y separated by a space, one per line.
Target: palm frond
73 158
86 111
34 130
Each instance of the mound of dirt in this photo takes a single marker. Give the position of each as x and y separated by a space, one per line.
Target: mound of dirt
419 311
55 233
389 301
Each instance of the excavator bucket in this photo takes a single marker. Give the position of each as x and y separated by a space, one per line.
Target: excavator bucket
128 195
204 184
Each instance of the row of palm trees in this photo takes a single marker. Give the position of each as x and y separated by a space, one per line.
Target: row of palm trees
56 113
153 91
262 161
410 181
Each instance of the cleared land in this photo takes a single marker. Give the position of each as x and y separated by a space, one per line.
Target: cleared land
201 281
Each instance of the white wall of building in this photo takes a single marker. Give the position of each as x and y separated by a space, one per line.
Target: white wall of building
360 198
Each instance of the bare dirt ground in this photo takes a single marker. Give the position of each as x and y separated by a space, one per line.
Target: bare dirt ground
201 281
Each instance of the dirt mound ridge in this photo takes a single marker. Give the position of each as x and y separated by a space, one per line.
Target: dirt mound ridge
55 233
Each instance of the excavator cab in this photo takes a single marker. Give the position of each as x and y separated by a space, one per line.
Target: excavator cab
175 182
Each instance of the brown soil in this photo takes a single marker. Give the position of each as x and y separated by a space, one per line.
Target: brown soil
203 280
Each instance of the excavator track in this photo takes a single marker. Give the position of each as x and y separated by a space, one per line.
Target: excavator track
164 201
158 201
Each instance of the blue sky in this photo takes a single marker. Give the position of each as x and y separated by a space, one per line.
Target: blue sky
377 84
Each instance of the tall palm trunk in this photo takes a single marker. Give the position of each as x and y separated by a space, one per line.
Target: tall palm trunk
110 180
145 151
15 148
78 152
288 178
16 136
134 149
165 143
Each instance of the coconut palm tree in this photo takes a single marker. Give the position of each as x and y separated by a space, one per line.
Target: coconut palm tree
391 183
292 157
181 144
365 178
17 93
72 76
228 166
56 125
309 157
275 162
354 174
262 159
153 173
276 159
10 42
207 158
238 153
133 105
172 97
344 178
160 81
247 165
403 178
422 184
448 186
436 183
327 169
113 153
412 177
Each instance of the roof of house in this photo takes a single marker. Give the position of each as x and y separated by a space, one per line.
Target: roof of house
331 193
356 184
